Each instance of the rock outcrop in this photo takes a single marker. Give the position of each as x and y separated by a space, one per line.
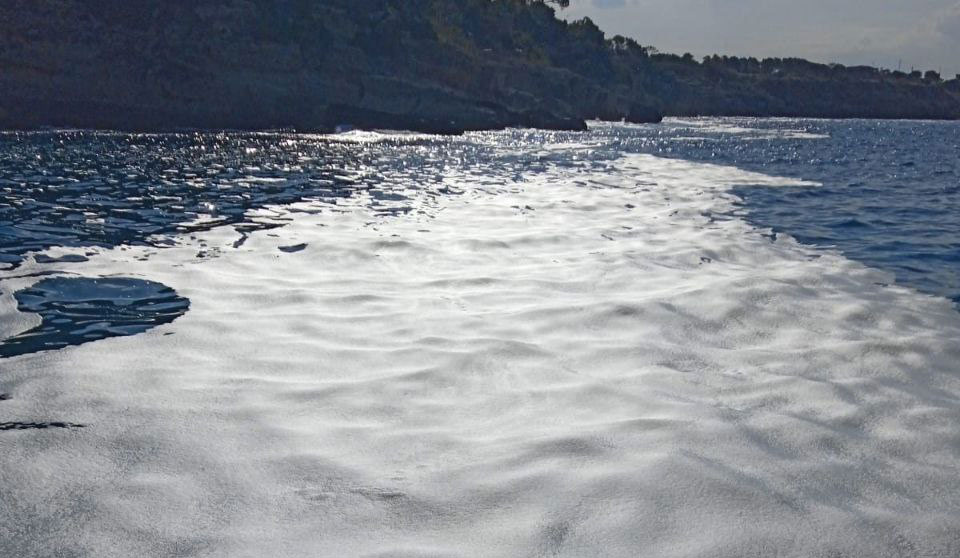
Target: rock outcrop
304 64
430 65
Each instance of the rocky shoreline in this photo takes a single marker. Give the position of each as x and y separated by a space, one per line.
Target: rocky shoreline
439 66
158 66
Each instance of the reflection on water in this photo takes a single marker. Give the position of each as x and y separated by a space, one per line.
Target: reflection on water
889 198
557 365
95 189
79 310
891 189
91 189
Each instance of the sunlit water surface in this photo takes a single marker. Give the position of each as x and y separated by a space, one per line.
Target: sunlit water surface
890 191
717 337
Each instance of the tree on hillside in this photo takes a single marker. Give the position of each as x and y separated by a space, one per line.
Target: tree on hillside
559 3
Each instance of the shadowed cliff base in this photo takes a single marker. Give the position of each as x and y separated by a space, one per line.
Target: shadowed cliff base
440 66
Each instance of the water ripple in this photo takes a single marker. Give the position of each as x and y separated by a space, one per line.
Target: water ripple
78 310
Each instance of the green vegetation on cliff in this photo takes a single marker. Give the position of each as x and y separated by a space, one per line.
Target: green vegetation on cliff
435 65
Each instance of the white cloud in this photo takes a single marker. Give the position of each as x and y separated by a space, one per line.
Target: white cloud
949 24
922 33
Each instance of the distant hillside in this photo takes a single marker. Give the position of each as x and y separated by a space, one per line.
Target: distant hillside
433 65
795 87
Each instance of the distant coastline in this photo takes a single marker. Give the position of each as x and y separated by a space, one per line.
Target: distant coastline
442 66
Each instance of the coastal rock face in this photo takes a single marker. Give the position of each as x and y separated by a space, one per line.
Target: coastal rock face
310 65
795 88
430 65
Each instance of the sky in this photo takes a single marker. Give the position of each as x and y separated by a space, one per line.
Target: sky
924 34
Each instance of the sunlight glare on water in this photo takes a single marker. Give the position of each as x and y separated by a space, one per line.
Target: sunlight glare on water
503 344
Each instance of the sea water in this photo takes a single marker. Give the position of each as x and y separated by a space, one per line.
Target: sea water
890 194
716 337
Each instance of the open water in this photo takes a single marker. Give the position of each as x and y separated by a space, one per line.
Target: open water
704 338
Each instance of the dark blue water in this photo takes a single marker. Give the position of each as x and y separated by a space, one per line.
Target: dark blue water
93 190
77 310
890 195
104 190
891 189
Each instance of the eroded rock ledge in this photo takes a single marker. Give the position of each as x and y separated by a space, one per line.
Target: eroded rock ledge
428 65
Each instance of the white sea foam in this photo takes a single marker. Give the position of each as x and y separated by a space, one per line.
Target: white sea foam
373 136
725 126
601 363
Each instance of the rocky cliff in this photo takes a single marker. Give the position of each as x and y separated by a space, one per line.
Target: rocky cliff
431 65
305 64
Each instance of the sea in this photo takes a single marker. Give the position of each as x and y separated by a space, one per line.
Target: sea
707 337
